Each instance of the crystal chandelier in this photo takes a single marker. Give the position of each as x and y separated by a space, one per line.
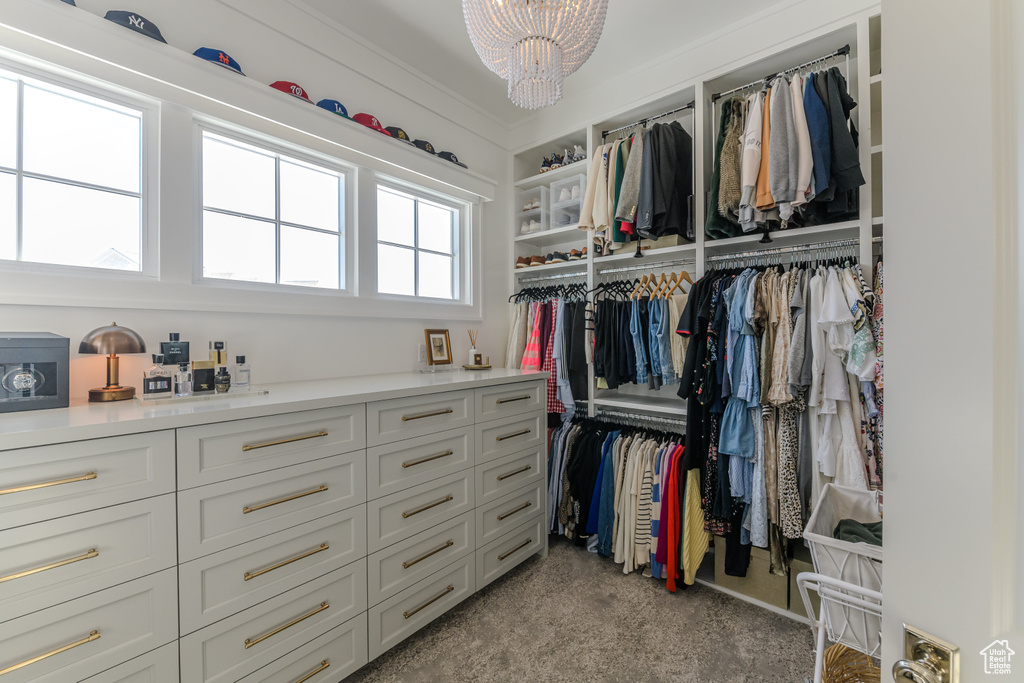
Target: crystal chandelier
534 44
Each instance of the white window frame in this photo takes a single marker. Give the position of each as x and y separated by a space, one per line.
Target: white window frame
148 175
348 228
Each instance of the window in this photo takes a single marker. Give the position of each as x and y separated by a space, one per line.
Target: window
70 177
271 218
417 246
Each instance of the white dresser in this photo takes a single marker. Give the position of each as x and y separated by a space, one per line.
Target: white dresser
287 537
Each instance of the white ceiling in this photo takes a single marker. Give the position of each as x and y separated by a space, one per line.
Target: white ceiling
431 38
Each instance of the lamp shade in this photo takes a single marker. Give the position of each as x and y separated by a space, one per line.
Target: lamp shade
112 339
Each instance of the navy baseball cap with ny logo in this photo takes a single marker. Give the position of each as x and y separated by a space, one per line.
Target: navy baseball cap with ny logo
135 22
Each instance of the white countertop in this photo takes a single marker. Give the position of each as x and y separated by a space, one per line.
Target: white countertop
84 420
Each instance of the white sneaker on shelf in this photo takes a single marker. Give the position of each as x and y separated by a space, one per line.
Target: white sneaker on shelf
536 204
575 194
524 229
534 226
527 206
578 154
564 195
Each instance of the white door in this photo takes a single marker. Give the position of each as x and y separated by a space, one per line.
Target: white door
953 78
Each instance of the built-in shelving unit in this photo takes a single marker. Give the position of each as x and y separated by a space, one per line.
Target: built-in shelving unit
552 236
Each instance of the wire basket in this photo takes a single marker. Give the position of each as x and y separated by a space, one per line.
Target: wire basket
846 665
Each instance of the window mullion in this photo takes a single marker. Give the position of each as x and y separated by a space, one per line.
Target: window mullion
277 219
416 247
19 204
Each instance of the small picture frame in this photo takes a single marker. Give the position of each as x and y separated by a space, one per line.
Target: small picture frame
439 347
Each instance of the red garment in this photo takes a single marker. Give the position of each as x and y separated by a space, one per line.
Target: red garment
531 356
674 519
554 405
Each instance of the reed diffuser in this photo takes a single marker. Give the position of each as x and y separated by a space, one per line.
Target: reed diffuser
473 334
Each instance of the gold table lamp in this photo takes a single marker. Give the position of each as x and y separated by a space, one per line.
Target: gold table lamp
111 341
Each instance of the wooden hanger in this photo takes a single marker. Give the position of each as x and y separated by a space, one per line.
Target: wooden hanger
683 277
671 282
635 294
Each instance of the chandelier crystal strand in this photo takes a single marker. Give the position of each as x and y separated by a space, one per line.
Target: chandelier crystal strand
534 44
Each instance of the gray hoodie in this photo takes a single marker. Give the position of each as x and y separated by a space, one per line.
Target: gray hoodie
783 154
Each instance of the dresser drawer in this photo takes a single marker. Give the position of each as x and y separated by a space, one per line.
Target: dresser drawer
492 403
218 585
226 450
405 418
53 481
500 516
83 637
509 473
51 562
396 568
509 435
404 464
218 516
158 666
241 644
326 659
406 513
395 619
512 549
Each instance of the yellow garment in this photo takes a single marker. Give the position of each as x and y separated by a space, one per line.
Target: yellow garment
695 539
765 200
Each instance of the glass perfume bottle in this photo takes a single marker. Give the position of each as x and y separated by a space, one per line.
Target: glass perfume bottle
219 352
222 382
175 351
241 373
183 381
157 380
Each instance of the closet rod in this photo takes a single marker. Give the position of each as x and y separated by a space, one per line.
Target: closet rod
645 121
601 412
559 276
649 265
787 250
844 50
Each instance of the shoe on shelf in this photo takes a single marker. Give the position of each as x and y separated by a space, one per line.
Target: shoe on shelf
559 257
556 161
545 165
534 226
566 157
524 228
549 259
578 154
522 262
537 260
536 204
565 195
583 254
527 206
575 193
575 255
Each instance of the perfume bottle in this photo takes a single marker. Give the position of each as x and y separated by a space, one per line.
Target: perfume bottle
183 380
241 373
219 353
174 351
157 380
222 382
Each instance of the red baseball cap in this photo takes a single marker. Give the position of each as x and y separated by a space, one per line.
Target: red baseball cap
293 89
370 122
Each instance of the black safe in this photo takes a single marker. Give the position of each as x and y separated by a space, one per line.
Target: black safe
33 371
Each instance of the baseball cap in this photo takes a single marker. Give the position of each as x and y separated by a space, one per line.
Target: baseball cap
450 156
70 2
293 89
218 57
334 106
425 146
135 22
399 134
370 122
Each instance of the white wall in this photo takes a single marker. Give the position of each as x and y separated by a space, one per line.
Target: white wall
328 64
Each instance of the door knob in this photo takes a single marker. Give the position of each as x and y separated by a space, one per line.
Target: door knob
928 659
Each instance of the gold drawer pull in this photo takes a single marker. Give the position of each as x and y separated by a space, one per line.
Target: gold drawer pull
417 511
407 418
503 477
32 487
430 602
254 446
323 665
518 509
413 463
320 489
512 436
501 558
94 635
513 400
314 551
71 560
435 551
249 642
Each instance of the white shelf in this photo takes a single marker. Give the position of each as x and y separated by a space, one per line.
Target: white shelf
559 235
568 204
669 404
547 177
877 220
876 78
782 237
876 149
650 255
548 267
530 213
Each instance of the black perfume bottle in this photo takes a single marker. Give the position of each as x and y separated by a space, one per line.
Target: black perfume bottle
175 351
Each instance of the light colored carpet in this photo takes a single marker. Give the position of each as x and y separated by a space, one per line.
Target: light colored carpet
577 617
